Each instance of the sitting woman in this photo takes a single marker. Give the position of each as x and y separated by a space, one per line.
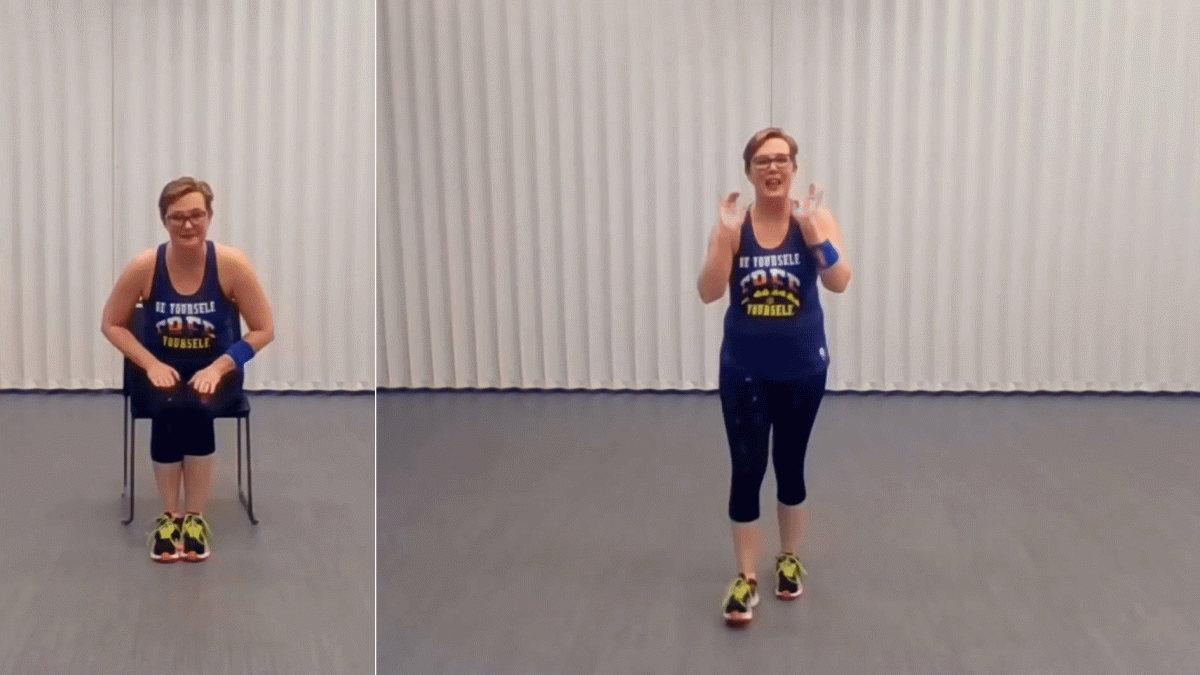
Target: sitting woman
193 292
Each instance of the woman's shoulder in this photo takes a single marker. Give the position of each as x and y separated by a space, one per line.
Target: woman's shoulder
230 255
144 261
140 270
232 264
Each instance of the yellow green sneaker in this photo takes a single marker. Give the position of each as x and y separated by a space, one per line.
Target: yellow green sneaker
740 602
788 575
196 534
165 539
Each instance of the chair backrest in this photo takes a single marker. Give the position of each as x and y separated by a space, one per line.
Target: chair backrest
137 325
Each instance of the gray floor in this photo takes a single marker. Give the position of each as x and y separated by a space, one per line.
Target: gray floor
586 533
293 595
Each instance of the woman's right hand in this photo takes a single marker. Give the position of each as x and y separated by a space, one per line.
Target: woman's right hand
733 215
162 376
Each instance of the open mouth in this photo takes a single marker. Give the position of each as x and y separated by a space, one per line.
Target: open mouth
774 183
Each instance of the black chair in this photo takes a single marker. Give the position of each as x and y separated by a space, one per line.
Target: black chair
135 409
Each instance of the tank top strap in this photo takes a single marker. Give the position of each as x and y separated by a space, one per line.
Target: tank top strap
212 278
160 269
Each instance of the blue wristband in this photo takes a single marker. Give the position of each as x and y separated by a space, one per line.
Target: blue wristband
241 353
827 254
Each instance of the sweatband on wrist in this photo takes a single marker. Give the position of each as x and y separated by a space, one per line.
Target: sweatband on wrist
827 254
240 353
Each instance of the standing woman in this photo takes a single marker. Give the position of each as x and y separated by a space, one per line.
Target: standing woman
774 357
193 292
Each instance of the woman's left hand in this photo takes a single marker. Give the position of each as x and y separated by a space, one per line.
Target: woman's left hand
807 213
206 380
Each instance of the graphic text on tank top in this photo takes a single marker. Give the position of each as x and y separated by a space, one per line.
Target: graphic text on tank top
769 289
185 327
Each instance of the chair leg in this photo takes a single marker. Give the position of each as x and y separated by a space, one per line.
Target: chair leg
131 464
125 450
249 476
239 456
248 499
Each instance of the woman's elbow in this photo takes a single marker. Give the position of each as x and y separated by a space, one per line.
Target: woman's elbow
709 296
839 283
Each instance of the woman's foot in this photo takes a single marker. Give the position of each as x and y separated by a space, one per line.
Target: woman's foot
196 534
166 539
740 602
788 575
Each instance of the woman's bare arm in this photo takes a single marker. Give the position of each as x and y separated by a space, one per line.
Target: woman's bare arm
251 302
837 277
118 310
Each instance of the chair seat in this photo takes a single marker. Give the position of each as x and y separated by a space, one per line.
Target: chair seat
237 407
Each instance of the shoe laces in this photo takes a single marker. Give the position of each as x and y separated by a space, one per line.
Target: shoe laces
790 567
196 527
741 590
164 527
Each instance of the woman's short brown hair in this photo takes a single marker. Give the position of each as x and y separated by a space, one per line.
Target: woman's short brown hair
178 188
765 135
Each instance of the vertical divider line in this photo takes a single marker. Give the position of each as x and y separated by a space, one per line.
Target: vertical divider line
112 162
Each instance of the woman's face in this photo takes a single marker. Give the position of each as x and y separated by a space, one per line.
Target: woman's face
771 169
187 221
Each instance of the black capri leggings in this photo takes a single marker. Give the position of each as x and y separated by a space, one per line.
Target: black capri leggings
182 424
752 408
176 433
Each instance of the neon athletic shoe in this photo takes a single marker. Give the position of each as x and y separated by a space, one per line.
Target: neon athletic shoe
196 534
740 602
788 575
165 542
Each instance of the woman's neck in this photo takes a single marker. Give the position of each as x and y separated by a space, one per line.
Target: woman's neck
186 257
772 211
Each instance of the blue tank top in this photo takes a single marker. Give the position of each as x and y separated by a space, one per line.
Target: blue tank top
188 330
774 327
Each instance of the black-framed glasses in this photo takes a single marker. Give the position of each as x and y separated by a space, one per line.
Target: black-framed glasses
765 161
195 217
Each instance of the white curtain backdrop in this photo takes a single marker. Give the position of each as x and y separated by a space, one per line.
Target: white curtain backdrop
1018 185
271 102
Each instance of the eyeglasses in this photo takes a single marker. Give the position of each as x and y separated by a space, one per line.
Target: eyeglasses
763 161
196 217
